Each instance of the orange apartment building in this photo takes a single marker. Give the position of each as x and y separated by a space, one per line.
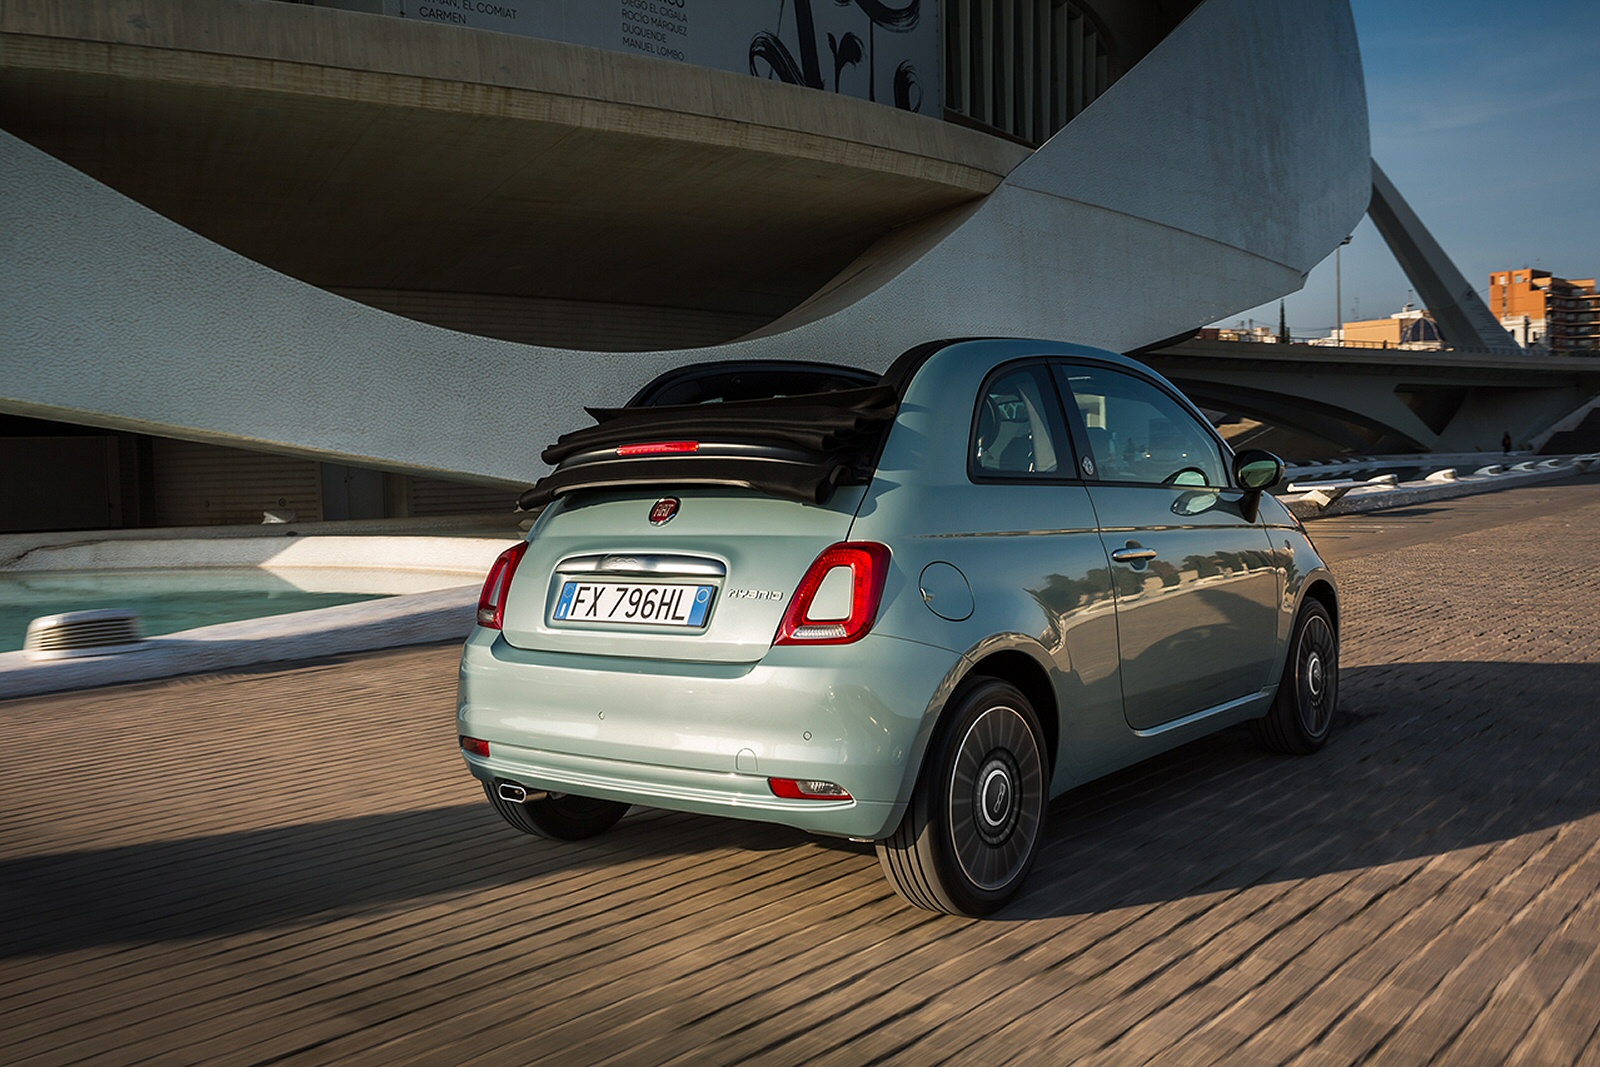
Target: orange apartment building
1543 311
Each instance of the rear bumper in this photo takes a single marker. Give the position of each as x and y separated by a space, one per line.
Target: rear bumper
705 737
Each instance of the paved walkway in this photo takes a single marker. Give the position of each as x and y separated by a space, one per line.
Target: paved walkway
290 865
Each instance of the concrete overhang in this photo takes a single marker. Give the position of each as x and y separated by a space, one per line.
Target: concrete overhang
357 152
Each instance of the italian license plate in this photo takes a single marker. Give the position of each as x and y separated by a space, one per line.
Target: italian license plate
634 602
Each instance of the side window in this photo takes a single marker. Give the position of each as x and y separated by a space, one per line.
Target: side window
1017 429
1137 433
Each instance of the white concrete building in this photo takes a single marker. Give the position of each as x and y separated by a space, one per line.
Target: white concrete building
260 255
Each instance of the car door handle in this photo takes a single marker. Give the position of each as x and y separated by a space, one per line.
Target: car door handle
1133 553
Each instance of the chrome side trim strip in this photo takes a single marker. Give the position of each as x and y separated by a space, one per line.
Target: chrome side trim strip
1190 720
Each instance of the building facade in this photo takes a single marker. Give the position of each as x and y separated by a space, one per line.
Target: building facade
338 258
1541 310
1408 328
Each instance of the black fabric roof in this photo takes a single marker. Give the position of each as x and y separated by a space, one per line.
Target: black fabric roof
815 421
796 447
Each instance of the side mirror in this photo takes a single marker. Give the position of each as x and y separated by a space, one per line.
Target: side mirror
1256 472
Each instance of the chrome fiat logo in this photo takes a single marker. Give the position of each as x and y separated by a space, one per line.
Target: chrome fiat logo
663 510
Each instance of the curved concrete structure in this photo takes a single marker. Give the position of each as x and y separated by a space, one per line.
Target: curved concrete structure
510 186
1210 178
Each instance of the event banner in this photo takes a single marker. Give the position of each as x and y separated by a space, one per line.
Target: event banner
882 50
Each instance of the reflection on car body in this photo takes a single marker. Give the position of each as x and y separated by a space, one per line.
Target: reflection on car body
907 608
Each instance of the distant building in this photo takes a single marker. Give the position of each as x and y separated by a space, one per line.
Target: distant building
1543 311
1408 328
1260 334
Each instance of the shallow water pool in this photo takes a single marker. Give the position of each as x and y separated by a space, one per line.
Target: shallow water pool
171 600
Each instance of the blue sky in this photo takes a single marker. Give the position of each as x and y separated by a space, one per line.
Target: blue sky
1486 115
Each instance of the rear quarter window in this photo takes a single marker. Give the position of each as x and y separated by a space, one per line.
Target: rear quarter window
1017 430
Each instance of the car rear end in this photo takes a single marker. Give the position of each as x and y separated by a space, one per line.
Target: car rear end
699 645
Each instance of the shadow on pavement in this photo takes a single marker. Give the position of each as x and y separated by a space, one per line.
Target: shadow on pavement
1429 758
259 879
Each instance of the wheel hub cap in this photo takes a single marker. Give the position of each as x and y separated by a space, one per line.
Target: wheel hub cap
1314 675
995 799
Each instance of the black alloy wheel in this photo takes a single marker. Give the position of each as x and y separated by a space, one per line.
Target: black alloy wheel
1301 717
972 830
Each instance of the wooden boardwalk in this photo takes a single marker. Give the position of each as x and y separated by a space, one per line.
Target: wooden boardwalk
290 865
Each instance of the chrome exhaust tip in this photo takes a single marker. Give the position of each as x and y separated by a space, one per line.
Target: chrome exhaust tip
518 794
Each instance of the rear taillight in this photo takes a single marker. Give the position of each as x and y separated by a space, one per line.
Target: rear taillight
492 601
837 600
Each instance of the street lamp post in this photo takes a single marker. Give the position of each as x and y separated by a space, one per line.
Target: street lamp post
1338 292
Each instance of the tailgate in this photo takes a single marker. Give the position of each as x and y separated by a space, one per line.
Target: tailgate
710 585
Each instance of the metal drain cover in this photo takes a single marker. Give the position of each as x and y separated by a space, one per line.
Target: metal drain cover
102 632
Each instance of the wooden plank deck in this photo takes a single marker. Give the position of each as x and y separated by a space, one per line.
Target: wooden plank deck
290 865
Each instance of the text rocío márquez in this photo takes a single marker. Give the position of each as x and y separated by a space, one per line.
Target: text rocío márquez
656 27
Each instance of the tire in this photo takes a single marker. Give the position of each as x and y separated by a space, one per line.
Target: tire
558 816
972 830
1302 715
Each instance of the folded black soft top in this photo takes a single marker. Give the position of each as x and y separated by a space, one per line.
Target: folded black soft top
798 447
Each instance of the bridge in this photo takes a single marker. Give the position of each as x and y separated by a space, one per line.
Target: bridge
1322 398
1313 399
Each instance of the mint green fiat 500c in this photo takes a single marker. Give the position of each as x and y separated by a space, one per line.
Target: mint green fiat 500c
907 609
